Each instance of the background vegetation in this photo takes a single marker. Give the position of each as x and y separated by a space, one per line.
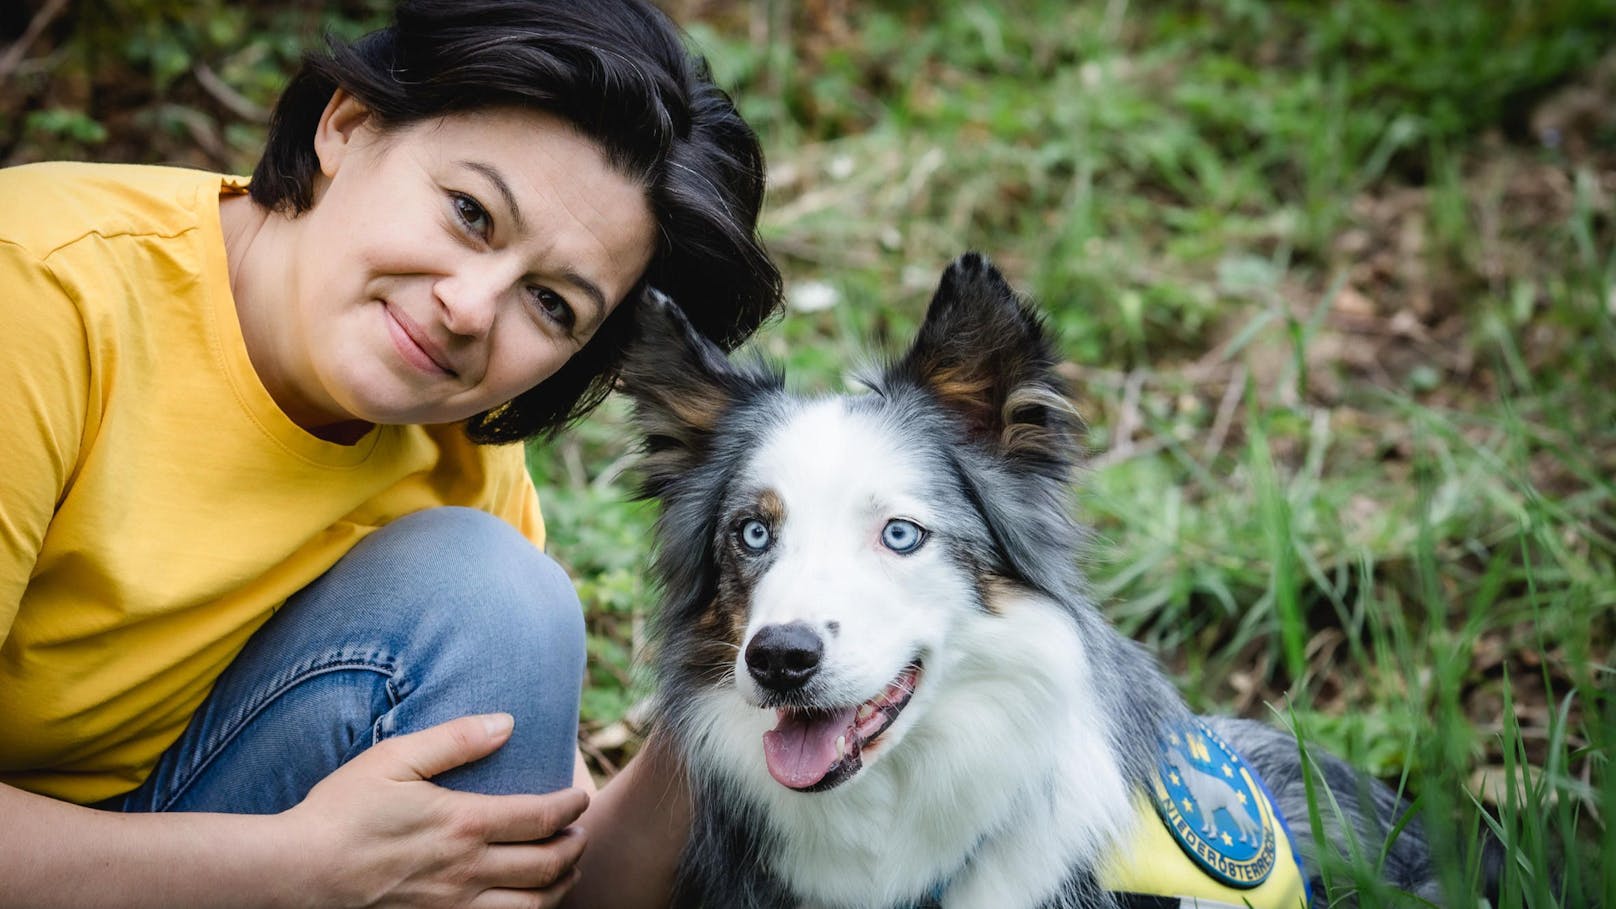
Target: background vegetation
1338 287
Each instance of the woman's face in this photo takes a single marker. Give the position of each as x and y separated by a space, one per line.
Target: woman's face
448 266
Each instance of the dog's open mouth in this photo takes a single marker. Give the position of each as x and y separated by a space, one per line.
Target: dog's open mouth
814 749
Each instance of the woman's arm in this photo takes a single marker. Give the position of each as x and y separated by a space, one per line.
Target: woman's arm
375 832
637 826
58 854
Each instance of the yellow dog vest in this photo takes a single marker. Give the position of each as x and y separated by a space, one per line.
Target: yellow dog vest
1209 836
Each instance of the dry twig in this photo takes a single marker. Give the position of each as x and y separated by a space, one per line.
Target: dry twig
36 26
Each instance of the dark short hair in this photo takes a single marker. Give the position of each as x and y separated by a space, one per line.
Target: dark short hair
618 71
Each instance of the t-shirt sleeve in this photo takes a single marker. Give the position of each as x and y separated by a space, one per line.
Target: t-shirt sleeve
44 407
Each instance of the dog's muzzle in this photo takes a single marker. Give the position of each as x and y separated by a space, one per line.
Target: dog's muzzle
815 746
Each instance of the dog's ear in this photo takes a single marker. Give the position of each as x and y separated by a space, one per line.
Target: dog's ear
682 385
984 354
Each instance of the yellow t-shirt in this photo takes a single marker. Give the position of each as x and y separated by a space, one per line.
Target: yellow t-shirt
156 506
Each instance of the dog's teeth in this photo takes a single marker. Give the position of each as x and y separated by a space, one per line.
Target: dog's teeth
865 712
841 747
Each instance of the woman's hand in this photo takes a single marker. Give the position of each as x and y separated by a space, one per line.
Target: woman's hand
380 833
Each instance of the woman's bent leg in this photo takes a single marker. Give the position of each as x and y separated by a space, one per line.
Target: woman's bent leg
440 614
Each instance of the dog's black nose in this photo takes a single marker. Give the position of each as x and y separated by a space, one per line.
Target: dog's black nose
783 658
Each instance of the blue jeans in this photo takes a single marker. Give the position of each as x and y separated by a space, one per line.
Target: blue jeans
440 614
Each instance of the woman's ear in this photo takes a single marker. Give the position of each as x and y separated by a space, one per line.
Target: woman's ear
341 123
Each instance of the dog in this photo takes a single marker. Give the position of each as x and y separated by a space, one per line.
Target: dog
878 660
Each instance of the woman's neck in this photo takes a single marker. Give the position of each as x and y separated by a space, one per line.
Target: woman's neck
253 237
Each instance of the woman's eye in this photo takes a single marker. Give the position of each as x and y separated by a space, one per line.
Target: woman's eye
471 214
554 306
754 535
902 537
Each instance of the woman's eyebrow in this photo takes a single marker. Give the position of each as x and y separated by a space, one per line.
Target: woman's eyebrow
497 180
591 290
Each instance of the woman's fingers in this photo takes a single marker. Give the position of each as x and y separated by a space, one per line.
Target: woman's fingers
425 754
532 875
532 866
523 818
546 898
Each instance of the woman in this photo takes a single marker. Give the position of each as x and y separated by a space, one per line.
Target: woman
275 626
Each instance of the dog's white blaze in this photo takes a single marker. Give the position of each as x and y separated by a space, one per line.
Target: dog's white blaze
1000 755
840 479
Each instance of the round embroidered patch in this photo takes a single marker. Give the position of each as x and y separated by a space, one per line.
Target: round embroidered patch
1214 807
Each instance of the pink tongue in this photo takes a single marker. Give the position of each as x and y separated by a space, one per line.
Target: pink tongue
802 748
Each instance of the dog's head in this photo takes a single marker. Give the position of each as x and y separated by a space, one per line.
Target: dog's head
817 555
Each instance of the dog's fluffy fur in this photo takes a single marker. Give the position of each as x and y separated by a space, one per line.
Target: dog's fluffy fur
793 593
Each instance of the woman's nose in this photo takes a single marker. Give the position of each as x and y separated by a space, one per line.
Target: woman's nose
470 301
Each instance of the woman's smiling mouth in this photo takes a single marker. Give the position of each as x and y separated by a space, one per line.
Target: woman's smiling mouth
414 345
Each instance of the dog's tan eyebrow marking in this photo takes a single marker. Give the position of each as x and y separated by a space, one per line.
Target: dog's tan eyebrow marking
771 507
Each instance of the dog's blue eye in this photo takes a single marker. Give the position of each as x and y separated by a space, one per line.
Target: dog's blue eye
754 535
902 537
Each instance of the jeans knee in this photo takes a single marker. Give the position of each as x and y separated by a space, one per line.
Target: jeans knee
497 626
531 603
472 581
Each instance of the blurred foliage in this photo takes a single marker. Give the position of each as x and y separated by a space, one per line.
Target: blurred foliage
175 81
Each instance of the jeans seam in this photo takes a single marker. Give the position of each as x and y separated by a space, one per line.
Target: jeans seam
387 670
394 698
